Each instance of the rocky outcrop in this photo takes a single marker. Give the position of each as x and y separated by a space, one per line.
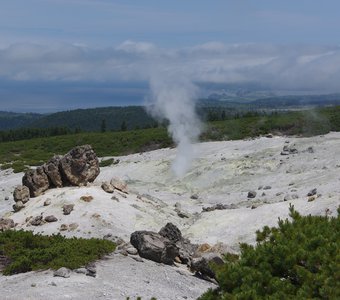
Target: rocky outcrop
77 167
52 170
37 181
80 165
168 246
21 193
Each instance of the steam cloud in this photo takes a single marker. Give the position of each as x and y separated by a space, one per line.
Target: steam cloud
173 99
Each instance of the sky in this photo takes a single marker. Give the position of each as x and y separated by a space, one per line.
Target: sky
63 54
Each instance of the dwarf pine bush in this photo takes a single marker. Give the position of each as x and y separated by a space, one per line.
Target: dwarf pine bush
300 259
27 251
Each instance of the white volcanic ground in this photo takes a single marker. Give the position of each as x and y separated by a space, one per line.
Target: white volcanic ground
222 172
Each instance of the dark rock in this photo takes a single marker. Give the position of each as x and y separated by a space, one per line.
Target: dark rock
107 187
36 180
171 232
51 219
310 150
6 224
62 272
202 264
80 165
18 206
153 246
52 170
194 197
67 208
219 206
312 192
267 187
91 270
182 214
21 193
251 194
47 202
6 198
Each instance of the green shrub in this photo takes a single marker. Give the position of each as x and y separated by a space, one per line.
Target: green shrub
28 252
298 260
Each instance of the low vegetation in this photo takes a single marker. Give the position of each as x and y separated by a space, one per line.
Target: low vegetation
26 251
298 260
19 155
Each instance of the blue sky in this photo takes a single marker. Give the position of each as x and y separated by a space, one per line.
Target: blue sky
285 45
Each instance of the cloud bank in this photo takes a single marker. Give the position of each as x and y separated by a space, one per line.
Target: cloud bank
273 66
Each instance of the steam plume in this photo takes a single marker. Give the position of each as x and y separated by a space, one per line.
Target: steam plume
173 99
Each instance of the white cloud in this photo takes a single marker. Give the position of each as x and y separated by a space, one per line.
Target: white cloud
274 66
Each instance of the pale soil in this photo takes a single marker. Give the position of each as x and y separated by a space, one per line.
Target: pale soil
223 172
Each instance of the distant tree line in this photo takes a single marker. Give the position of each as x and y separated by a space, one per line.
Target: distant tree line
30 133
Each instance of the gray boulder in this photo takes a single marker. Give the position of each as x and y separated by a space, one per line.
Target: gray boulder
80 165
36 180
153 246
52 170
21 193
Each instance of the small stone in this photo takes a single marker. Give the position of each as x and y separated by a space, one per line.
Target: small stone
107 187
73 226
312 198
62 272
67 208
263 194
53 283
312 192
63 227
287 198
115 198
47 202
80 271
251 194
18 206
182 215
132 251
295 196
119 185
194 197
267 187
86 198
6 198
33 285
51 219
37 221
